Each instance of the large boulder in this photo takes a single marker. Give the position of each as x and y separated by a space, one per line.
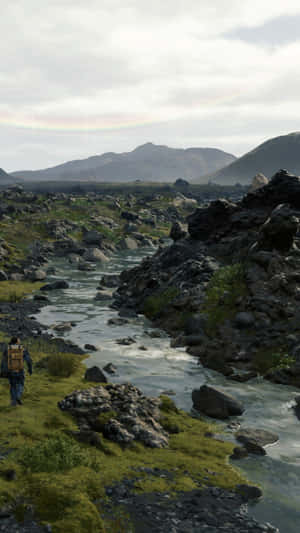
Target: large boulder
215 403
120 411
94 373
260 180
177 231
55 285
279 229
92 237
254 440
128 243
203 222
95 255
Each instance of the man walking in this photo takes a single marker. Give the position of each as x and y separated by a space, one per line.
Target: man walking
12 366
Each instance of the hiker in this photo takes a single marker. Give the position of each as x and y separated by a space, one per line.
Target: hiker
12 367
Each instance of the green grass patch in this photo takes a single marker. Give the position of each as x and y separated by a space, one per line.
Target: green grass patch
63 365
224 288
62 477
14 291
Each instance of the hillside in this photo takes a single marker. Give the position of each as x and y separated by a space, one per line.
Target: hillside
148 162
6 179
267 158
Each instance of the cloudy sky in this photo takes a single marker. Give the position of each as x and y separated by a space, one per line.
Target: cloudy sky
83 77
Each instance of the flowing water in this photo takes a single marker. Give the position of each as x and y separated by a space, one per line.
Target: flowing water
161 368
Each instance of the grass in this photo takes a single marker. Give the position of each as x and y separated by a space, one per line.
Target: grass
224 288
49 465
14 291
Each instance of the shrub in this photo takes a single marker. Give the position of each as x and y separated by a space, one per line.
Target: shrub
272 358
153 305
63 365
56 454
224 288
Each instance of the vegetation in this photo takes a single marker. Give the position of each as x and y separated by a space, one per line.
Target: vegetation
49 463
272 358
225 287
63 365
157 303
14 291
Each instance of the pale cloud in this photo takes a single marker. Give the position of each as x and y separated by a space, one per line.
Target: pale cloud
80 77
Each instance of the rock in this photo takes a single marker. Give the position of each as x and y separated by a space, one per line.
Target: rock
3 276
90 347
258 181
244 320
117 321
126 341
95 374
249 492
103 295
55 285
128 415
279 230
242 378
64 326
109 280
110 368
203 222
177 231
195 324
239 452
254 440
297 407
95 256
85 267
41 298
128 244
37 275
215 403
93 237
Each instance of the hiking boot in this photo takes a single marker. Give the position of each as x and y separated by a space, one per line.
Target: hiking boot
19 401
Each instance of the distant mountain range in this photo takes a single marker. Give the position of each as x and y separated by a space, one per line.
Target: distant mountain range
148 162
267 158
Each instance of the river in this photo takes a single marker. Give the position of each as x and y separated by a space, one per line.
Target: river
161 368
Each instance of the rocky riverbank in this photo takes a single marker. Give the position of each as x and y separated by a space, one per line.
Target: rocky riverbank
228 287
139 478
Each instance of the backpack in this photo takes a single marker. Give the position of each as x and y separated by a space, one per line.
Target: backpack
15 360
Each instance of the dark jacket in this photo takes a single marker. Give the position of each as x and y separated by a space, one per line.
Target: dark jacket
4 363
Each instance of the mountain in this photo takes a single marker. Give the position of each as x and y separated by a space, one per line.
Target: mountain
148 162
6 179
267 158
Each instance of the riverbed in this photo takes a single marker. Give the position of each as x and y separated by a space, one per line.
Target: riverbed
159 368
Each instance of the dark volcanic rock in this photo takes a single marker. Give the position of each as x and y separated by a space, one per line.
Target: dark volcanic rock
177 231
55 285
95 374
216 403
203 222
254 440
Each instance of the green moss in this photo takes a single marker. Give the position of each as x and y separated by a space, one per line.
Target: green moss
224 288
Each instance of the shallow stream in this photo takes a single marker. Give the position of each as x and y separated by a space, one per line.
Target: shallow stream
161 368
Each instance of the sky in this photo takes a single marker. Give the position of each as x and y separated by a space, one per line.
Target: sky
84 77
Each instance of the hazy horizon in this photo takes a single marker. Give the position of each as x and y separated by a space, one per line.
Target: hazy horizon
79 80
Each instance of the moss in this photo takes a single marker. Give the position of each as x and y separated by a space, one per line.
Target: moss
14 291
